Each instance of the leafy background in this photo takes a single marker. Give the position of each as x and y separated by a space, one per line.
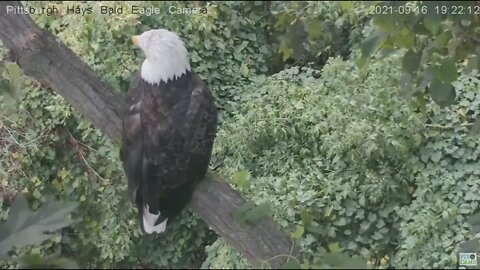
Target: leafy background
358 130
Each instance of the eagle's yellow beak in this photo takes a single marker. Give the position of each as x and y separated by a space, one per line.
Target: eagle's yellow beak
135 40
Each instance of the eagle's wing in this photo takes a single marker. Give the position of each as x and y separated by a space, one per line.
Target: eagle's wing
161 117
200 127
178 139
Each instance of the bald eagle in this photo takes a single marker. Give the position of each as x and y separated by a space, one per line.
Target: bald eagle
168 130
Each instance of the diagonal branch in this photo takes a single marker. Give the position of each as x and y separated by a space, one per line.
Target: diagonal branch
49 61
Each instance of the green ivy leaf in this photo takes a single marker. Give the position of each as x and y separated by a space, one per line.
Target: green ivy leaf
442 40
314 29
244 70
361 62
436 156
15 74
252 37
411 61
346 5
306 217
432 23
63 174
286 52
334 247
298 232
315 229
241 179
442 93
445 70
405 40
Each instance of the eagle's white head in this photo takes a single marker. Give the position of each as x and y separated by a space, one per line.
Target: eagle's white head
166 55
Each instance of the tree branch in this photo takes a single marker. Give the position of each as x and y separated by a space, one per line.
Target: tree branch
49 61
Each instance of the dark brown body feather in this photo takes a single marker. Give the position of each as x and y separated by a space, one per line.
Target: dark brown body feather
168 135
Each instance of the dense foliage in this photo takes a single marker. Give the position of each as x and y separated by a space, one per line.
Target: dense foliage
370 170
342 158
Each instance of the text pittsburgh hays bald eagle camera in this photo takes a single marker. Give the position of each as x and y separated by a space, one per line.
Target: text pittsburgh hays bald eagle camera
168 130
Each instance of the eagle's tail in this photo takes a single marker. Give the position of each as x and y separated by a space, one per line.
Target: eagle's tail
153 222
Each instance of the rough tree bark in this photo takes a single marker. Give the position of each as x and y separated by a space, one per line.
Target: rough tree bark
49 61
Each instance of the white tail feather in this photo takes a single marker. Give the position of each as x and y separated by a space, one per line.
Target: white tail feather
149 220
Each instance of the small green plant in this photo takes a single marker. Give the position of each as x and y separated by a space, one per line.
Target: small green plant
26 227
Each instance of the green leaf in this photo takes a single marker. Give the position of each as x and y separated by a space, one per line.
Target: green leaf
306 217
241 179
442 40
372 43
259 79
346 5
25 227
328 210
334 247
6 87
314 28
361 62
405 40
63 174
420 28
315 229
239 48
298 232
291 264
411 61
442 93
244 70
286 52
445 70
388 22
432 23
15 74
436 156
341 221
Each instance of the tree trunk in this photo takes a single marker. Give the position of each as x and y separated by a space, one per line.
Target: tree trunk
49 61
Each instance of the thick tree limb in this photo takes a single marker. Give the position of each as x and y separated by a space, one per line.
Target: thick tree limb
48 60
